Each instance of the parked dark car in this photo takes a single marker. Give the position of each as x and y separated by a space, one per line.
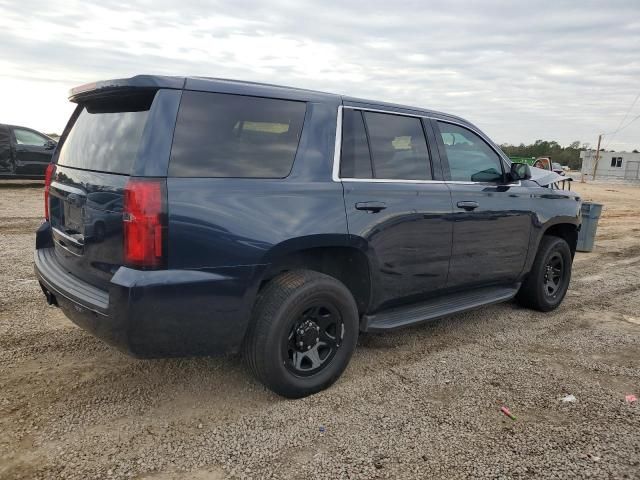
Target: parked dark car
24 152
283 222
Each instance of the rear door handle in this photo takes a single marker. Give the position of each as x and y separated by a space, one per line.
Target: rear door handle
468 205
372 207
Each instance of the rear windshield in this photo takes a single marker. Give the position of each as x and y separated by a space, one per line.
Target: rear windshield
220 135
107 134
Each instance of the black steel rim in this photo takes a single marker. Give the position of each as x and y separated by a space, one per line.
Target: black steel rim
553 275
313 339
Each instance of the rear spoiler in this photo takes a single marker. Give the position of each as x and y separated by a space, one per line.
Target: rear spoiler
108 87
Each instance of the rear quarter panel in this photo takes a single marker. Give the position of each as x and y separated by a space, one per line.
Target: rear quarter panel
216 222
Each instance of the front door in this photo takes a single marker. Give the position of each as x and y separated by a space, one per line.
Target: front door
6 157
32 151
396 212
492 219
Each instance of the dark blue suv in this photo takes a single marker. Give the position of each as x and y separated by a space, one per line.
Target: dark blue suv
198 216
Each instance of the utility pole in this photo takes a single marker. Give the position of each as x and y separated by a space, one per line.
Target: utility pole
595 166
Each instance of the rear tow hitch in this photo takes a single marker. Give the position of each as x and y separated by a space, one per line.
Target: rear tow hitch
51 298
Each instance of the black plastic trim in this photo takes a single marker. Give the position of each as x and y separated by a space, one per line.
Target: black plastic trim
52 276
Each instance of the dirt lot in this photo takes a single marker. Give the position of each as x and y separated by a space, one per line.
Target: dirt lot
422 402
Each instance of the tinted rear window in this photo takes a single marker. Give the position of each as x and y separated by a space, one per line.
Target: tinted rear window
398 147
219 135
107 134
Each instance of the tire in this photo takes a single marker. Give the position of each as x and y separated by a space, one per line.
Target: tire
536 292
282 357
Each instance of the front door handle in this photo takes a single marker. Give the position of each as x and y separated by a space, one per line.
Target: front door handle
372 207
468 205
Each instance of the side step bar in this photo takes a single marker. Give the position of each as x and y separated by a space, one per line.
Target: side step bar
436 308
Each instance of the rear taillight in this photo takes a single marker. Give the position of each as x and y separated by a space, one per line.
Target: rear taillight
48 175
144 218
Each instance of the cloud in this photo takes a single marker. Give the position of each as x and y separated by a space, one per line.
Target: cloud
554 70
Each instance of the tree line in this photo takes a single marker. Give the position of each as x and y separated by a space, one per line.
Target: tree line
569 155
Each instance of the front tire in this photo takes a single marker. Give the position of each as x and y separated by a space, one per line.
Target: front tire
548 281
304 330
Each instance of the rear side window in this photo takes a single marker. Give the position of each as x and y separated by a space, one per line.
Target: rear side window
220 135
383 146
398 147
107 134
470 158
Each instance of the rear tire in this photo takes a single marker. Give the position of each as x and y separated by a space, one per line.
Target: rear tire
304 329
548 281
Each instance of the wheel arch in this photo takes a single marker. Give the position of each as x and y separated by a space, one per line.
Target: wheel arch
328 254
567 231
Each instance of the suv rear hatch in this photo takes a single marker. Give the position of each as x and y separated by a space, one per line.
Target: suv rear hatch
110 170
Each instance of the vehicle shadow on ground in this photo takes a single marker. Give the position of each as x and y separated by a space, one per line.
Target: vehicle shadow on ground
226 382
185 388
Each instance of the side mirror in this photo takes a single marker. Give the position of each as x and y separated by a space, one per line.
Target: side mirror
520 171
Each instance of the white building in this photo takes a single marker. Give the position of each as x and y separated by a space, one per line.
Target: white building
623 166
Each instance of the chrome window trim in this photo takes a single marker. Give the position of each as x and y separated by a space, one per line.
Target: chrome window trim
335 173
365 109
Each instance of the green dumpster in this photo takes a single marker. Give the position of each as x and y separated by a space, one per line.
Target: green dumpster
587 235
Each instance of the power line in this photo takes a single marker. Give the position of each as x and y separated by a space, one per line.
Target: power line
632 120
620 127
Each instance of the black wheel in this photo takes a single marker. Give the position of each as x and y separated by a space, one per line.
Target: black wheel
547 283
304 330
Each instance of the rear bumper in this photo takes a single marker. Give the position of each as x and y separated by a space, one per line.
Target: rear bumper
155 313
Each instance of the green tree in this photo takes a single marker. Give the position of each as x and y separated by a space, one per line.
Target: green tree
543 148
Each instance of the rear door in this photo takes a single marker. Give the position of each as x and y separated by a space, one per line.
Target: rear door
32 151
397 209
108 140
492 218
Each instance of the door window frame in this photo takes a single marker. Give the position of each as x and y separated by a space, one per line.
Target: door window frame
435 145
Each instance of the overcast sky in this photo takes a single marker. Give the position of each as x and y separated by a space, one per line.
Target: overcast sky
552 70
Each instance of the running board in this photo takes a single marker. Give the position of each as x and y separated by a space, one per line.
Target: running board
436 308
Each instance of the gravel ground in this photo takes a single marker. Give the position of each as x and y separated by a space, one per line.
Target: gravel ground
418 403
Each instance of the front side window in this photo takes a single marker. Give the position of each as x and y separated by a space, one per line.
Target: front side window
398 147
470 158
619 162
27 137
220 135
